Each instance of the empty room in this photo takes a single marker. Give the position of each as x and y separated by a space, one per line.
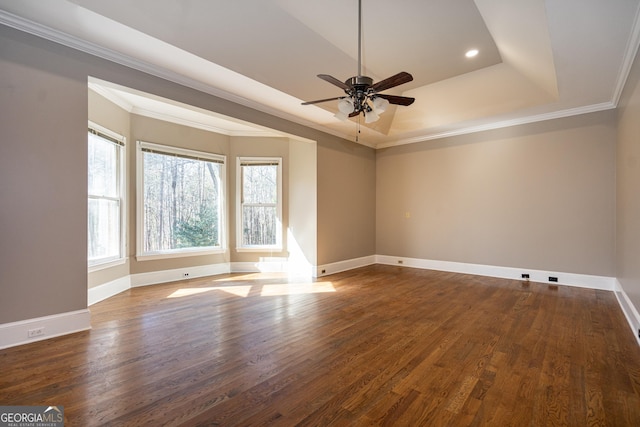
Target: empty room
356 212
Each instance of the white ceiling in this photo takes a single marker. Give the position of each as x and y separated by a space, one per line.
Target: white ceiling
538 59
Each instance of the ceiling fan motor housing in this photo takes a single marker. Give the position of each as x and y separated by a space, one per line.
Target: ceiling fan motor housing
362 81
359 89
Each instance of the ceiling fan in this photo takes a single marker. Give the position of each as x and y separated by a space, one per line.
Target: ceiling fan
363 96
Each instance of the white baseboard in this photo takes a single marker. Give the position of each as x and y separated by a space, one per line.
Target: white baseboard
163 276
337 267
567 279
244 267
541 276
276 265
273 265
107 290
17 333
629 310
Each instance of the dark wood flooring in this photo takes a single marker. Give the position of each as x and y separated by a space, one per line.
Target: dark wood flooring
379 345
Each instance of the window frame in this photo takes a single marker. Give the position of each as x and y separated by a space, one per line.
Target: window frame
278 246
180 152
121 142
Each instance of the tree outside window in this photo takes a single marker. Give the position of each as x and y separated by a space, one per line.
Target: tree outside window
260 203
182 199
105 193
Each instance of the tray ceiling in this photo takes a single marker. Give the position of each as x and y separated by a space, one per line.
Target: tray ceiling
537 59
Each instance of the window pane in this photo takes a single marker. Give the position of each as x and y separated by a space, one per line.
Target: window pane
104 229
103 166
181 203
258 225
259 184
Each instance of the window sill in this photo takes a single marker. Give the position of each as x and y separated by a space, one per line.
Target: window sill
178 254
259 249
106 264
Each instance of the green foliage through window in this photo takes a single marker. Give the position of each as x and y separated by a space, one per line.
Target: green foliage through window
104 236
182 202
259 201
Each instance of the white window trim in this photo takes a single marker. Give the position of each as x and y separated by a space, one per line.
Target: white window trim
184 252
104 263
279 238
107 264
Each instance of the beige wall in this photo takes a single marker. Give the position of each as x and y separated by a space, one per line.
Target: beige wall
628 189
302 232
346 201
538 196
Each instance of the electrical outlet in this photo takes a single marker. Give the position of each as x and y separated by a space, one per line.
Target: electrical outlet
324 271
185 275
35 332
553 279
400 261
525 276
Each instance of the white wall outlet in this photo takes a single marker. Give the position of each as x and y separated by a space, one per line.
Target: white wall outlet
35 332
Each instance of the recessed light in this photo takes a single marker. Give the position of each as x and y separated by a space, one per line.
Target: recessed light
471 53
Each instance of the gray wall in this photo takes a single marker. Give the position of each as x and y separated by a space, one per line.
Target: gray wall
539 196
628 189
43 169
43 172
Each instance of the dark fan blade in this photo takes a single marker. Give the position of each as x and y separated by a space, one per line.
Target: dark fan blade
334 81
398 100
323 100
393 81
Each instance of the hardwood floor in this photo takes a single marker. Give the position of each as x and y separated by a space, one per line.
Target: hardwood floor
379 345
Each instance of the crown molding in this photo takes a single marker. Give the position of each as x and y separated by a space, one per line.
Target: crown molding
56 36
503 124
73 42
37 29
629 57
201 125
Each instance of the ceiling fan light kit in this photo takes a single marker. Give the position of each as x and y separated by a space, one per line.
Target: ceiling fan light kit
363 95
380 105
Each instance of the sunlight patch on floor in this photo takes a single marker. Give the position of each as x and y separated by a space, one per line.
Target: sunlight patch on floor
240 291
296 289
256 276
265 290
